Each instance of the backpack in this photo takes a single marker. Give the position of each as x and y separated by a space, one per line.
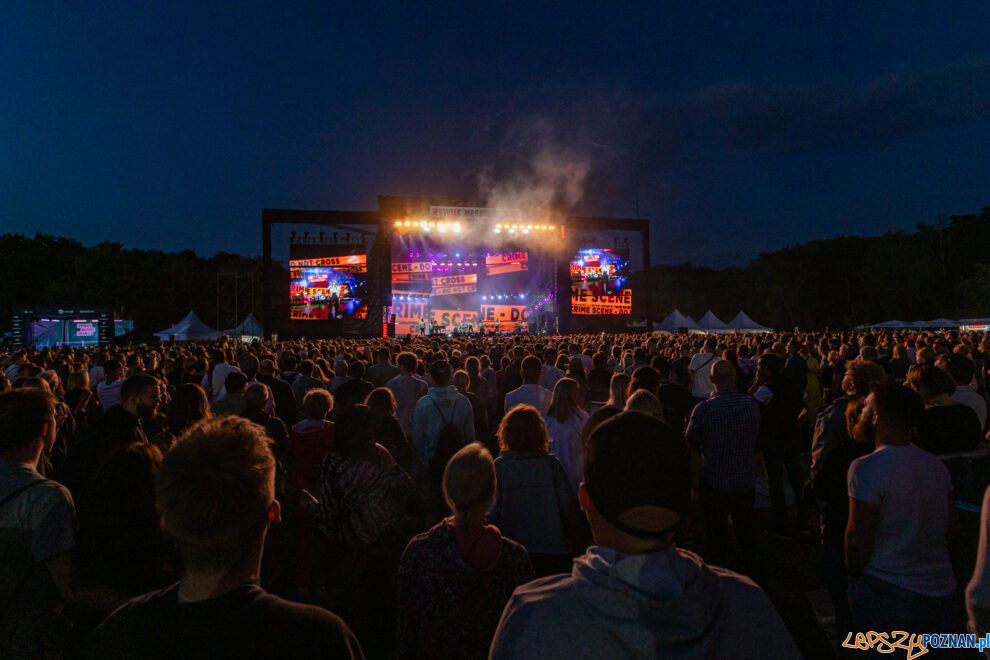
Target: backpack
449 442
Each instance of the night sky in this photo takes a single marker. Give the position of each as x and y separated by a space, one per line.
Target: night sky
736 127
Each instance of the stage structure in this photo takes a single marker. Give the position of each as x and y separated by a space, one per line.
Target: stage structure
431 264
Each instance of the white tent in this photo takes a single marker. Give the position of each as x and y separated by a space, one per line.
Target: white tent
676 321
746 324
939 323
890 324
711 323
188 329
249 327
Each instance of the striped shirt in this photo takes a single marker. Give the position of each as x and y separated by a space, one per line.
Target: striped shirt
725 426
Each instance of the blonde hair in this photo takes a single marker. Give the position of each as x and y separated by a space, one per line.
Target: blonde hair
469 479
317 403
642 401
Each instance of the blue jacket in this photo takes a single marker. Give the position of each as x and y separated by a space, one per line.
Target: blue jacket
534 504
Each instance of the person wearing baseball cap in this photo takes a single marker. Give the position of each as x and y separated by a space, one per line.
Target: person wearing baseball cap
634 593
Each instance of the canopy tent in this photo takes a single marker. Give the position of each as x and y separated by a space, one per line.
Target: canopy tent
249 327
676 322
890 324
743 323
188 329
939 323
711 323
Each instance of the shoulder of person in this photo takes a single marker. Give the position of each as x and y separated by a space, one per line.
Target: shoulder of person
47 496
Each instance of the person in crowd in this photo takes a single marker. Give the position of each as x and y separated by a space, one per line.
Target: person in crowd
899 364
441 406
978 589
599 379
674 397
781 403
37 530
462 383
945 426
108 392
902 511
534 503
407 388
529 393
634 593
223 366
84 406
577 372
618 394
565 423
962 370
724 428
382 371
258 407
304 382
356 389
700 370
550 374
188 406
365 514
309 442
455 579
387 430
833 451
232 402
120 547
285 404
216 492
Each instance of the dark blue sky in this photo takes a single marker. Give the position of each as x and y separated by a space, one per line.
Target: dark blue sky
737 127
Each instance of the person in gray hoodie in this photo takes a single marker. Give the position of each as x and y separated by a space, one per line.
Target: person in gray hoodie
634 593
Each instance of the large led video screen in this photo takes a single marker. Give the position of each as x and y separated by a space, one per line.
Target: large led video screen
456 284
329 287
600 282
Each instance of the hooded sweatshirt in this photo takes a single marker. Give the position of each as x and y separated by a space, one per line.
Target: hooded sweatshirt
667 604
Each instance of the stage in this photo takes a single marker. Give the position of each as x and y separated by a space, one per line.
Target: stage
427 262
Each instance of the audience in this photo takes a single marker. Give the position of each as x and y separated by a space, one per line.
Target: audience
392 474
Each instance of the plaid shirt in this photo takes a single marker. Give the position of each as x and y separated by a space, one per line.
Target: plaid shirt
725 426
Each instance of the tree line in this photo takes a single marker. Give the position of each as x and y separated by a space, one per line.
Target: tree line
940 269
155 288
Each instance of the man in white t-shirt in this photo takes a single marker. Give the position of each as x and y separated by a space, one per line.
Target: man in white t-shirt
700 370
901 511
962 370
224 367
530 393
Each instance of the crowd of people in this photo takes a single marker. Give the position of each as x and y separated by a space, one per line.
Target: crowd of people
513 496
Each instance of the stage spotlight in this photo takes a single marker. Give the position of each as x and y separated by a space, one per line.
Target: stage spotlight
457 227
398 223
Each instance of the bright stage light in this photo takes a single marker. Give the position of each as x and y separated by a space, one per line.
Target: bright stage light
457 227
398 223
